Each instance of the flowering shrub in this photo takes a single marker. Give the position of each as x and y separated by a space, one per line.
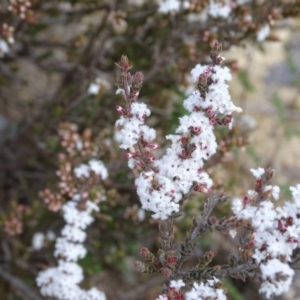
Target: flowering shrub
70 230
164 184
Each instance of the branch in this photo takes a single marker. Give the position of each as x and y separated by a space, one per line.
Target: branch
23 290
197 229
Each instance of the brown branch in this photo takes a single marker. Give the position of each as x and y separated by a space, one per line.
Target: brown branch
22 289
198 228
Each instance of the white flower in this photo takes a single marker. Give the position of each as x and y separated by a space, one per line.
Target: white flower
217 10
278 277
275 190
257 172
68 250
233 233
73 234
167 6
38 241
51 235
164 200
263 33
295 191
141 214
82 171
206 290
94 88
3 47
98 167
177 284
162 297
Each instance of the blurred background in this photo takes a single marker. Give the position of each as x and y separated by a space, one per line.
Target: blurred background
57 68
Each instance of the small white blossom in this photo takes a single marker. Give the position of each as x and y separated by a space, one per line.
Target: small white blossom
162 297
233 233
177 284
263 33
167 6
38 241
94 88
3 47
257 172
141 214
204 291
98 167
51 235
82 171
217 10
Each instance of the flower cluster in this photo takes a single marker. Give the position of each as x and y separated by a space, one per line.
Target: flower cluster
62 281
19 7
239 12
71 175
275 232
164 182
214 8
80 183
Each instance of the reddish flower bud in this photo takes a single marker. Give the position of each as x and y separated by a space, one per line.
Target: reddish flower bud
138 79
153 146
292 240
184 141
145 251
171 260
124 63
121 110
246 200
289 221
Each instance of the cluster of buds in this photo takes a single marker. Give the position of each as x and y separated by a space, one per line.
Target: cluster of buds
220 120
164 262
142 159
205 78
216 48
19 7
13 222
134 115
130 85
204 82
74 180
75 144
